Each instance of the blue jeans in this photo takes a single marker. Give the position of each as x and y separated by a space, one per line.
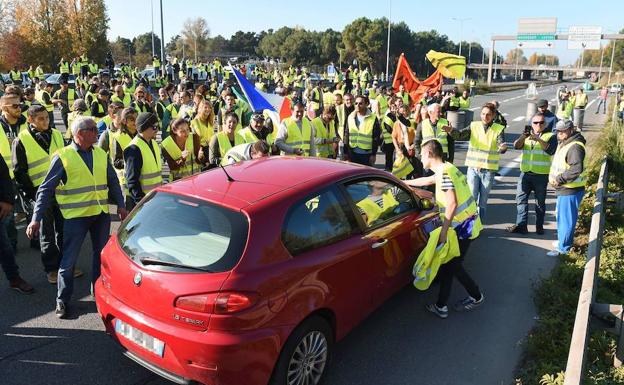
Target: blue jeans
7 256
603 103
537 184
567 213
480 182
75 230
360 158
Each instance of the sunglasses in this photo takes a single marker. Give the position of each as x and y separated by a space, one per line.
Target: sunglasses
540 122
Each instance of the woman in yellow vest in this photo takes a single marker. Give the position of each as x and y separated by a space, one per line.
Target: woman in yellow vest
459 211
182 150
566 176
202 124
224 140
538 146
324 133
143 162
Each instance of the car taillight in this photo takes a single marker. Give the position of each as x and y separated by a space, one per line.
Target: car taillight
216 303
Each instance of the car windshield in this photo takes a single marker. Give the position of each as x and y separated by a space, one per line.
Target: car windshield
184 232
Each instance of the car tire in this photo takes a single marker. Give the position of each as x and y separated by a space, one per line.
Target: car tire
307 352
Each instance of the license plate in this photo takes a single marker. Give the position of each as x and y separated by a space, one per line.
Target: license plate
140 338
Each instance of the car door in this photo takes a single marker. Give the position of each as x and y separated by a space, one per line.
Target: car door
323 236
389 217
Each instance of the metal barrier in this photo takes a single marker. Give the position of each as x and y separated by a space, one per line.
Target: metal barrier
588 311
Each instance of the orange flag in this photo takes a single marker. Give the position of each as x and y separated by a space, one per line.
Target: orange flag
430 85
404 75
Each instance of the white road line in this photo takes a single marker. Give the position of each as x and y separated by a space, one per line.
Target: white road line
590 103
505 114
517 119
510 166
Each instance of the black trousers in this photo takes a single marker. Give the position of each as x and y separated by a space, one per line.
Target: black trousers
455 269
388 149
51 237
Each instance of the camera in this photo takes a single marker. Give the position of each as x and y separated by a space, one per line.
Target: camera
527 130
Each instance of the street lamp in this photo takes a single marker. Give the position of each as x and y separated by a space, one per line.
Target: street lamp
461 30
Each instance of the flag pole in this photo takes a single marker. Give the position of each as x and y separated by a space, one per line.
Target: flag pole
388 48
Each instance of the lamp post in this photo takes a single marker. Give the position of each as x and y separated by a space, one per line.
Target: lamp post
153 45
388 48
461 30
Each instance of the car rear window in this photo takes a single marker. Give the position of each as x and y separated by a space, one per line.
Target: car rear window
193 234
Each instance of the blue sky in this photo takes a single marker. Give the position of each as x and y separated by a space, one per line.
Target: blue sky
485 18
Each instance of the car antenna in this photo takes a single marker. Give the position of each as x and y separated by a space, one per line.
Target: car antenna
230 179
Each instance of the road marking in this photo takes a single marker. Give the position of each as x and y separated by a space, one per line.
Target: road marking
590 103
510 166
519 118
505 114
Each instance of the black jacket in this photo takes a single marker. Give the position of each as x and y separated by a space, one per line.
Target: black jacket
6 185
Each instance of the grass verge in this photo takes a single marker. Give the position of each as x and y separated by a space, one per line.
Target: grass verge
556 297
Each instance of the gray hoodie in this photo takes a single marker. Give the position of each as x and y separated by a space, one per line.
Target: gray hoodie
575 158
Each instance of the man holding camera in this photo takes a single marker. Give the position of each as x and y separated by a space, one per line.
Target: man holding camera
538 146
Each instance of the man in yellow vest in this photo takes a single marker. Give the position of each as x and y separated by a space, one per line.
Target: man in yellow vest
82 178
142 159
221 142
44 98
156 65
363 133
566 176
39 71
7 249
434 128
246 151
538 145
64 98
487 142
458 210
257 130
63 66
32 151
99 106
294 133
387 121
121 96
16 76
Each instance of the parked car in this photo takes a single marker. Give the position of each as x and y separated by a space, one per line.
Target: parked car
248 274
615 88
26 80
55 78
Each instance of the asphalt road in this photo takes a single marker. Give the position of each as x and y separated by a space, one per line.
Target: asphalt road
398 344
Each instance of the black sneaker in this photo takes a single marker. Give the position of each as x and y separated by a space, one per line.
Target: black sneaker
61 310
539 230
517 229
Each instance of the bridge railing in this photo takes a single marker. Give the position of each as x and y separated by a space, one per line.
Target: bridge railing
590 314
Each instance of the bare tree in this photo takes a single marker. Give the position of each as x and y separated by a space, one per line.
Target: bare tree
195 34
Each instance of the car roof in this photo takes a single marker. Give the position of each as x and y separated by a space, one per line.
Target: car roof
258 179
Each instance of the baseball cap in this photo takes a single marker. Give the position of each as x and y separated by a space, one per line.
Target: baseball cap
257 116
563 125
542 103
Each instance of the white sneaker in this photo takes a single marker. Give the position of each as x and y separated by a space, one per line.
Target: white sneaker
553 253
555 245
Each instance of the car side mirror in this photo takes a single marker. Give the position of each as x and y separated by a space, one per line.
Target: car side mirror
427 204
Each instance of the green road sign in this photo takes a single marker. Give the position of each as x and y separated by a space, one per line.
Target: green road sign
536 36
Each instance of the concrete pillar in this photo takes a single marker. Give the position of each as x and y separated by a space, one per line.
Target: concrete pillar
490 60
526 74
559 75
531 110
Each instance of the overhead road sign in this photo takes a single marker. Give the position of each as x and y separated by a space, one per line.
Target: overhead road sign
584 37
537 25
536 36
536 44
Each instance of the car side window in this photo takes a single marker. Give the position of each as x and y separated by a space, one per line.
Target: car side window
379 200
318 220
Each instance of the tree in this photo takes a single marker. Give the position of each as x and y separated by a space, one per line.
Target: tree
270 44
301 47
143 48
122 50
514 55
364 40
195 34
328 46
87 26
244 42
218 45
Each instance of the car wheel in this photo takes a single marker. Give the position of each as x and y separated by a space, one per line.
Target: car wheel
306 354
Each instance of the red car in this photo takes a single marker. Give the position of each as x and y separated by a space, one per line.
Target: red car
247 275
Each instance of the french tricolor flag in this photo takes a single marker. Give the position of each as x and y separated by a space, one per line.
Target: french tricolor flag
277 107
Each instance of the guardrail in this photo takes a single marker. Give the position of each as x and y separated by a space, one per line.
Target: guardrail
588 312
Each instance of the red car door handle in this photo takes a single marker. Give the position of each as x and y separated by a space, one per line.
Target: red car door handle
379 243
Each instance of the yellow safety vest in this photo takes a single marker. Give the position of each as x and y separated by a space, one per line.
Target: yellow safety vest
534 159
464 104
50 106
174 151
85 193
5 151
580 101
225 145
401 166
466 205
482 149
205 131
428 263
382 100
299 138
124 141
239 112
559 166
428 133
372 209
363 137
64 67
340 114
324 150
16 76
387 136
151 170
100 109
236 153
454 102
37 158
126 101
